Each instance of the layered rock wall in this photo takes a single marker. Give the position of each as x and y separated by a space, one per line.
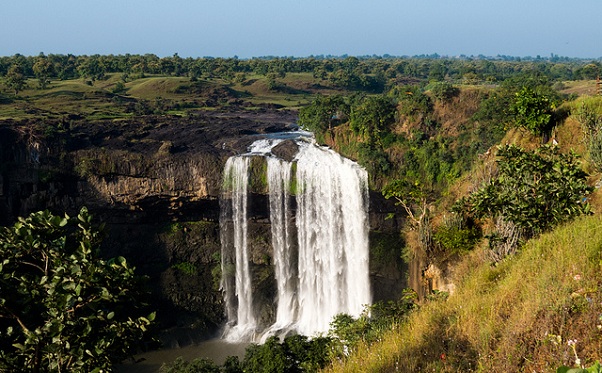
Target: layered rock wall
155 184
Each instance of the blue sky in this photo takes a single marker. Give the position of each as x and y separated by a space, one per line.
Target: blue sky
225 28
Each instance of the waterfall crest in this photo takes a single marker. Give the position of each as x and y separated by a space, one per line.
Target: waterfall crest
320 243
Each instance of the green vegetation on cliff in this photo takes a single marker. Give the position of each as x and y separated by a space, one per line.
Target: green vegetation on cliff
426 129
517 316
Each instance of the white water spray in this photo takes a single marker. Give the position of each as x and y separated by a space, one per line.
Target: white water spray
239 298
332 227
320 261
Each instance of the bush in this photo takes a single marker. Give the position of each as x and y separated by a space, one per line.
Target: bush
534 191
532 110
444 91
376 319
454 236
196 366
294 354
62 308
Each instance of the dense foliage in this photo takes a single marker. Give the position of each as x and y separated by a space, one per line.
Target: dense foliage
532 110
295 354
324 113
349 332
371 117
62 308
533 190
367 73
300 354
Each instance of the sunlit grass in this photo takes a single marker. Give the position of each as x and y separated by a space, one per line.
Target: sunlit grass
505 318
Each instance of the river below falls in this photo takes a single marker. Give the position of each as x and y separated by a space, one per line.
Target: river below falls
215 349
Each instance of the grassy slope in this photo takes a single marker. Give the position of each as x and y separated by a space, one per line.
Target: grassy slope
98 101
516 316
505 318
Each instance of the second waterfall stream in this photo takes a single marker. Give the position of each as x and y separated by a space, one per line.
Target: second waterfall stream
318 211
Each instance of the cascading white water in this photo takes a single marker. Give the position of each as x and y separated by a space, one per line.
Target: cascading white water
320 262
332 227
279 177
239 298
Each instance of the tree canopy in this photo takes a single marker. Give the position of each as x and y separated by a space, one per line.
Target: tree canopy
534 190
532 110
324 113
62 307
372 116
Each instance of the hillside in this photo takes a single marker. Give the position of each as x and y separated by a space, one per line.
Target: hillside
534 311
515 316
428 140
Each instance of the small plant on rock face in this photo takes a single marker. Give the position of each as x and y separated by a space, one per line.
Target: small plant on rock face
187 268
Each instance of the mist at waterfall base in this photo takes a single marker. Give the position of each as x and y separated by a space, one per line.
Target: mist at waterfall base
318 210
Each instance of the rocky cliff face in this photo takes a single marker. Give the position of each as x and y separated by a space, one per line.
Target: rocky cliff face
155 183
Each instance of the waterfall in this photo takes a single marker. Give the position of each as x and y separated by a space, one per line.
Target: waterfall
332 227
279 176
320 250
238 298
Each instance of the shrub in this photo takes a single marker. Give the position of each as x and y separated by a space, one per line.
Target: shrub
294 354
196 366
62 308
454 236
444 91
534 191
376 319
532 110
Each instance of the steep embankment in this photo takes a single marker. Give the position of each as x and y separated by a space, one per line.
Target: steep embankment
516 316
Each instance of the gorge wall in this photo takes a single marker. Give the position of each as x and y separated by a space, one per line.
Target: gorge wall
155 183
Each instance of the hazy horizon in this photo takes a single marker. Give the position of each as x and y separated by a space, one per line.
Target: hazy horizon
303 28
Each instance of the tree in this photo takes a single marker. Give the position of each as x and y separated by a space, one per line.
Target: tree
414 199
534 191
444 91
532 110
91 68
372 116
324 113
42 70
294 354
15 78
272 82
62 308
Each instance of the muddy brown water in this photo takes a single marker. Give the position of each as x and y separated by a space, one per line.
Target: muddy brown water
150 362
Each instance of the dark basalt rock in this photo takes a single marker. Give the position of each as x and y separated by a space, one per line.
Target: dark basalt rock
286 150
155 183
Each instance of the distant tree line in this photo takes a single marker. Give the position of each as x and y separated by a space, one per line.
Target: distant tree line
370 73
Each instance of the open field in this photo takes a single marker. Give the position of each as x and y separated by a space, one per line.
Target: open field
112 98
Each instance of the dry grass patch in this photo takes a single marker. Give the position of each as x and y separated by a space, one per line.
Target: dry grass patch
516 316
